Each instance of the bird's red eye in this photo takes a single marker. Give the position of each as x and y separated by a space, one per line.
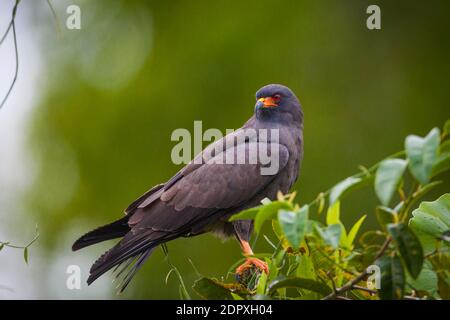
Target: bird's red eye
276 97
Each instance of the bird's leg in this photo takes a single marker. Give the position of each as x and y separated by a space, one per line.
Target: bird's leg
250 261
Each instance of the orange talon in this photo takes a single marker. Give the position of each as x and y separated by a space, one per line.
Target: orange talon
249 262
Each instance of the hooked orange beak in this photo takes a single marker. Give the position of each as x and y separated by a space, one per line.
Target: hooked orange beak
268 102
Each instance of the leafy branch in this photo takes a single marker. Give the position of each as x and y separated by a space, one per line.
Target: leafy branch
4 244
321 260
352 284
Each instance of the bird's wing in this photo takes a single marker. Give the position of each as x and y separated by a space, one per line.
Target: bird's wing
150 196
189 202
155 192
199 190
222 186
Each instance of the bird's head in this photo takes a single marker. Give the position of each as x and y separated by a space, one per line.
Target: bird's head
277 102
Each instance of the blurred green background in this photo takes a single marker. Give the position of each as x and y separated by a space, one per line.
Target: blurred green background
112 93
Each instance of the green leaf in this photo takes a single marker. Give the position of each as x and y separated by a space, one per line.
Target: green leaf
439 208
305 268
331 234
408 246
269 212
354 231
423 190
293 224
273 270
300 283
25 254
321 204
422 154
441 264
184 295
427 223
333 213
445 147
246 214
431 219
212 289
277 229
426 281
444 288
387 178
442 164
345 186
392 278
372 238
385 216
429 243
262 281
236 297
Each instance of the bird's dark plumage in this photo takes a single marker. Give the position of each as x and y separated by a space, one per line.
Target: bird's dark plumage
204 194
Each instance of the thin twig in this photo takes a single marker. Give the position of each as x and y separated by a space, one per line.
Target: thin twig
12 26
6 32
55 18
342 298
332 282
411 298
356 287
11 22
436 251
415 196
363 173
175 270
350 285
334 262
7 244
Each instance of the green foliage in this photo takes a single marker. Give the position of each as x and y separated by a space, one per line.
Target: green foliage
299 283
331 234
346 186
215 290
386 216
392 278
293 224
24 248
388 177
431 223
316 260
447 128
408 246
422 154
95 147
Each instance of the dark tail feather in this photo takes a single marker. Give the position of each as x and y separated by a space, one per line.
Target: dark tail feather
106 262
139 261
136 247
111 231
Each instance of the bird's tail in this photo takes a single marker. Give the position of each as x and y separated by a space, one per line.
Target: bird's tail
111 231
130 254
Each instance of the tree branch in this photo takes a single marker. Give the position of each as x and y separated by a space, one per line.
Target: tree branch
12 25
351 284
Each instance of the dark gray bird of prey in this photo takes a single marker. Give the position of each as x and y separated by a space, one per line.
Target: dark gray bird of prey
224 179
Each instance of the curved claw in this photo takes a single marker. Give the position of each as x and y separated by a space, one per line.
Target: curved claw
249 262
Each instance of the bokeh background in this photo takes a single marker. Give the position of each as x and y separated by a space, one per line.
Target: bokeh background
87 127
